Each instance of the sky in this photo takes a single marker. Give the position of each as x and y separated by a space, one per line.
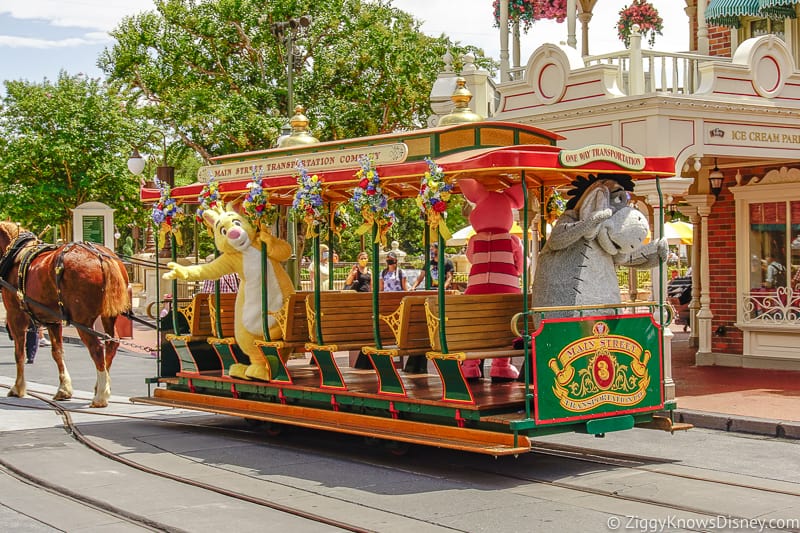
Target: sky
39 38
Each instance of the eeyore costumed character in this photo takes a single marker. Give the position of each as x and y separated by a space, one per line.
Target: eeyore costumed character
598 232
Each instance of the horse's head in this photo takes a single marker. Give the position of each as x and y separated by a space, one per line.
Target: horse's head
626 229
231 230
8 232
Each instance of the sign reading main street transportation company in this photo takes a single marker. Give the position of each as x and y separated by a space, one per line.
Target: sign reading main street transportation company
601 152
612 365
382 154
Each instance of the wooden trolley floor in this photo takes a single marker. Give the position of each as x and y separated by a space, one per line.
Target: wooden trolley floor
220 394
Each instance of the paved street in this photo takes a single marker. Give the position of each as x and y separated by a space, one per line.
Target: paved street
341 478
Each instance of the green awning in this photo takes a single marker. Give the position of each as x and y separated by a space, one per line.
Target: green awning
728 12
778 9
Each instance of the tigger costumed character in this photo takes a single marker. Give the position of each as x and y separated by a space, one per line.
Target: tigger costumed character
495 255
240 247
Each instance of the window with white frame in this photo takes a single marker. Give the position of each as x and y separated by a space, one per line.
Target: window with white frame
774 229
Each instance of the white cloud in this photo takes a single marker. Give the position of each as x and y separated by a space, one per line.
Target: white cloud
28 42
101 15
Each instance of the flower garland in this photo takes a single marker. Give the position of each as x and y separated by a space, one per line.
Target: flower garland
166 212
369 200
554 206
338 221
434 192
308 205
209 198
256 205
527 12
645 15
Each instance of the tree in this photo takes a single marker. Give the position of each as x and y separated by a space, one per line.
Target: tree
64 143
216 73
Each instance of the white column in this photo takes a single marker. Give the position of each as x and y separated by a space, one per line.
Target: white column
571 12
694 305
657 282
704 315
504 68
585 18
636 70
702 28
648 189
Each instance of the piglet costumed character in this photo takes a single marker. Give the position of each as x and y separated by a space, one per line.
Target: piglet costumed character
495 255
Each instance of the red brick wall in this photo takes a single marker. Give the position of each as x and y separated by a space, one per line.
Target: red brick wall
719 41
722 270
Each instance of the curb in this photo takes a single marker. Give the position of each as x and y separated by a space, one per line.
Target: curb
784 429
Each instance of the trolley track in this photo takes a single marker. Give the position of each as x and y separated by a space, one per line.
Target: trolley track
639 463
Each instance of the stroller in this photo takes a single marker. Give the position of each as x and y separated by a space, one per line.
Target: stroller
679 295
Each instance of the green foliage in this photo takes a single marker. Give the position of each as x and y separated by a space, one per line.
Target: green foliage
214 70
64 143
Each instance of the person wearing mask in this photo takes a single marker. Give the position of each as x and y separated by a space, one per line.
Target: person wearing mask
360 278
324 269
392 278
449 270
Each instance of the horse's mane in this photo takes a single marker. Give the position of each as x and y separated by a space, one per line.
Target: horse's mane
10 229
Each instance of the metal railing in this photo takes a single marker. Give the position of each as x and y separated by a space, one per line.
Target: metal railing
780 307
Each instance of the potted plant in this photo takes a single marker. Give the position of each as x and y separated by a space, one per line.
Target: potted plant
645 15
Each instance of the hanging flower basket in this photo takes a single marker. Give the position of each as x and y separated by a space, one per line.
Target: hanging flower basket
308 204
256 205
526 12
434 192
370 200
166 213
645 15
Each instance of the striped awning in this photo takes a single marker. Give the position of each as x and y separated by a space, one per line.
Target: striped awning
727 12
778 9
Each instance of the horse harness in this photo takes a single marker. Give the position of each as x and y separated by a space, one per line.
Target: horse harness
27 252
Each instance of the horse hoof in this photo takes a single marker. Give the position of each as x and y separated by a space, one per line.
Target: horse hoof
98 405
60 396
15 394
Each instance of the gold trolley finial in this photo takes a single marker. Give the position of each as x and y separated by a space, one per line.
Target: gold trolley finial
461 113
300 135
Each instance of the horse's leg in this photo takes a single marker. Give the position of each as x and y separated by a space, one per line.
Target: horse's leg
102 388
18 332
111 346
64 391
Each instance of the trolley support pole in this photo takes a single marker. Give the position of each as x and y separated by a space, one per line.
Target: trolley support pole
376 321
526 338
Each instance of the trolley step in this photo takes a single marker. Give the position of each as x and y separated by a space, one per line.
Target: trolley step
454 438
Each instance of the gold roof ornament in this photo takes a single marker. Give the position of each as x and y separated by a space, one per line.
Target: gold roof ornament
461 113
300 135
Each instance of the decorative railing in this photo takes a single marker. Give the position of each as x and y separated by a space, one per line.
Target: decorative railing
779 306
665 72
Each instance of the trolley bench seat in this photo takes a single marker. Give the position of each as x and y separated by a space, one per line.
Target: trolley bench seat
293 322
199 314
411 340
346 324
478 326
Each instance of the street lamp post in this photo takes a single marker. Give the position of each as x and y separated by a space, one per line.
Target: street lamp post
165 174
285 32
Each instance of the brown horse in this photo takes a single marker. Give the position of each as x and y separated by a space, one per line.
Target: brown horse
76 282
